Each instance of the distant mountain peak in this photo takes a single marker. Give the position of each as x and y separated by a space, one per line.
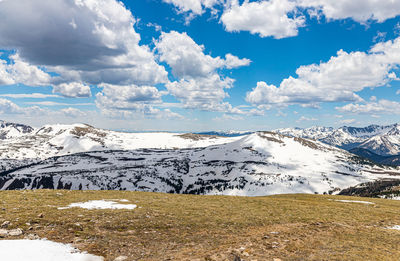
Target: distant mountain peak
382 140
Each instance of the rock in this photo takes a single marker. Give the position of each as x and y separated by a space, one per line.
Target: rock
277 259
32 237
15 232
3 232
121 258
40 215
237 258
5 224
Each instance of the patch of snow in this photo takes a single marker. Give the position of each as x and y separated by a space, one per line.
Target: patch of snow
354 201
101 204
396 227
42 250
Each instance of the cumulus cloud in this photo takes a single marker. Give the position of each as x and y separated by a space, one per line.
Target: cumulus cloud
73 90
81 40
205 93
337 80
126 96
19 71
358 10
8 107
132 101
194 6
377 107
275 18
283 18
187 58
199 84
73 112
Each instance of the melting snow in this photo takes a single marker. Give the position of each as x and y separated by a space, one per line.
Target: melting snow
42 250
101 204
396 227
354 201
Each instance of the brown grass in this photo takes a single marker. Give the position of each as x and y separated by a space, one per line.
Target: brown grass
186 227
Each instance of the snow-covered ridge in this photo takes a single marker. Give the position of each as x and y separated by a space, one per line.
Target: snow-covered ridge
382 140
11 130
56 140
261 163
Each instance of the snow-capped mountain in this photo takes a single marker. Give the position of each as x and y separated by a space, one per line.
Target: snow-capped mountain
261 163
57 140
226 133
11 130
382 140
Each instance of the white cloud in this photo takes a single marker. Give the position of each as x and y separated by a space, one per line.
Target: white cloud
199 85
73 112
127 97
304 118
100 45
337 80
232 61
378 107
194 6
8 107
358 10
29 95
283 18
187 58
379 37
229 117
266 18
132 101
205 93
73 90
347 121
52 103
19 71
398 92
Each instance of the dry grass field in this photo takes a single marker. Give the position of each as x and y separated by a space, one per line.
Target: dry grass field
188 227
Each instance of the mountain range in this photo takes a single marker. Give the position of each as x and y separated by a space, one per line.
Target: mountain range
367 141
80 156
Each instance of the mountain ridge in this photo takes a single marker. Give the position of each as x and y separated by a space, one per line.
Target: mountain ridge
382 140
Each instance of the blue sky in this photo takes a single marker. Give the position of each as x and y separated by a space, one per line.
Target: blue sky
199 65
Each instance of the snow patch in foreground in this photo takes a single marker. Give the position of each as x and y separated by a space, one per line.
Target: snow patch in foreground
353 201
101 204
42 250
396 227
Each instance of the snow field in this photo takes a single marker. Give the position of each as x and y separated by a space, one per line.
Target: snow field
42 250
101 204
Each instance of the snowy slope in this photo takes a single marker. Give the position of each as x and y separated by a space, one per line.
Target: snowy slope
10 130
56 140
262 163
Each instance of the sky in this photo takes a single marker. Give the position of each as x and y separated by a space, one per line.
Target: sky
200 65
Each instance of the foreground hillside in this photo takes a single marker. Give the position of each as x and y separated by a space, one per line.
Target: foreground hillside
257 164
188 227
